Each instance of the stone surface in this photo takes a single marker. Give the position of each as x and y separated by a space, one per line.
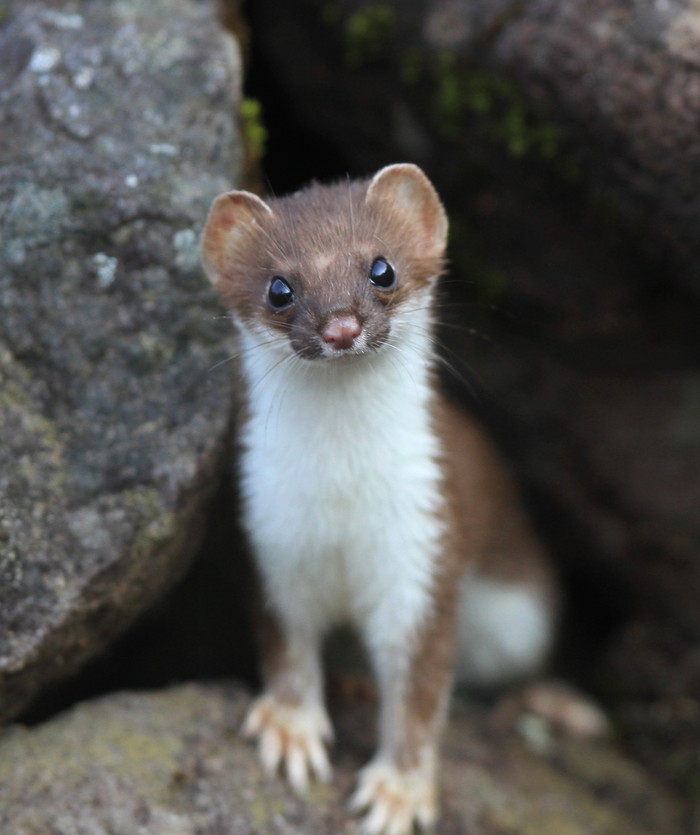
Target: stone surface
171 763
117 127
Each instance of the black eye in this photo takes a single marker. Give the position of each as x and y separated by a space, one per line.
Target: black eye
280 294
381 274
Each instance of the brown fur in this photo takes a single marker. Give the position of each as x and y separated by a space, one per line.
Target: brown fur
492 527
488 532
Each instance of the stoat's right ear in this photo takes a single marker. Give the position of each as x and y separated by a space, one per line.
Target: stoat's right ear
233 219
405 191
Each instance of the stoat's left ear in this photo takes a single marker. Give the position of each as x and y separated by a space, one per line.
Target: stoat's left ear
404 189
235 218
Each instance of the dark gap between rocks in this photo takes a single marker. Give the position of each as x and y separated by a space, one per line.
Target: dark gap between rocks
294 154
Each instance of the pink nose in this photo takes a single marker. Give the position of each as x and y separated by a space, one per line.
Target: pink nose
342 332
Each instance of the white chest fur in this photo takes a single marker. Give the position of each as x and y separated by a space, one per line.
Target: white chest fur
341 486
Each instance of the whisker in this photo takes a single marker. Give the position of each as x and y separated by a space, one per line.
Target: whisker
272 239
284 385
400 357
460 376
270 370
352 216
275 340
222 362
446 357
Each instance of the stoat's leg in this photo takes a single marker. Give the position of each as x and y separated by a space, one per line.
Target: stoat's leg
397 789
289 719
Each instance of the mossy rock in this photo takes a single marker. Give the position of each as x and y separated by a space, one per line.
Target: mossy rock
172 762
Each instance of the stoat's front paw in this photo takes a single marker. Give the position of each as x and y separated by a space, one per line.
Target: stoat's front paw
393 800
290 737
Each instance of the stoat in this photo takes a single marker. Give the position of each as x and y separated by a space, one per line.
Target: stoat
367 497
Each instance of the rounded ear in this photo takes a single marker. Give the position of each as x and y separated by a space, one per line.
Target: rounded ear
233 218
405 190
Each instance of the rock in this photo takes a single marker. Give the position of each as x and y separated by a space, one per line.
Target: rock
117 127
469 88
171 762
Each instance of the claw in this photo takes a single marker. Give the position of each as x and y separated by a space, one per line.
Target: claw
394 800
290 737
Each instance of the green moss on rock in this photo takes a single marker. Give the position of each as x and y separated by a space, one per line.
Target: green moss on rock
367 32
254 130
495 105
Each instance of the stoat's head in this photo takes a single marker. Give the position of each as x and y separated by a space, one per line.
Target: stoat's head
331 271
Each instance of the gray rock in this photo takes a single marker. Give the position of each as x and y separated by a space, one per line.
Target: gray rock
117 127
171 763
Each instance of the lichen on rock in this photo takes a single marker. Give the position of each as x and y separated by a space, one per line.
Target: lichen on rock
117 128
